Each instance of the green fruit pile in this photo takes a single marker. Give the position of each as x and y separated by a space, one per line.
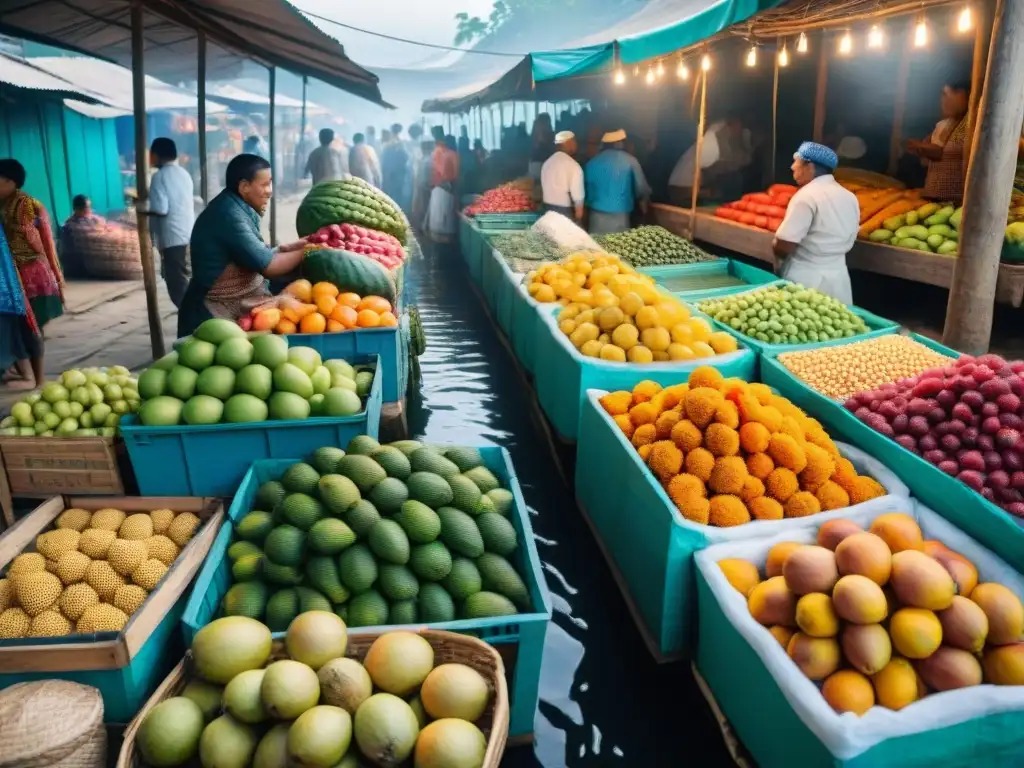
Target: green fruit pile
932 227
380 534
81 403
650 246
317 705
786 314
223 375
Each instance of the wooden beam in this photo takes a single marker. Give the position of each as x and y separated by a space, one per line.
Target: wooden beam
989 183
156 331
204 176
695 192
273 152
775 115
300 162
899 107
982 39
821 89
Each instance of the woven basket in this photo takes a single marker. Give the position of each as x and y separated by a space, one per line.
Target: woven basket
52 724
111 253
448 648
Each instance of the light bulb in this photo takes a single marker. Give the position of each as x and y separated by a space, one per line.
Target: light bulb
845 44
752 56
705 62
783 57
875 37
964 21
620 77
661 69
636 71
921 34
650 76
683 71
801 43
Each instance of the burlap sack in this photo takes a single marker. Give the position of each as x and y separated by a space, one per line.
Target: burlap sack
52 724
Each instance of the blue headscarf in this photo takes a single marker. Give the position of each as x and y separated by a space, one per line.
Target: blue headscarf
12 300
819 154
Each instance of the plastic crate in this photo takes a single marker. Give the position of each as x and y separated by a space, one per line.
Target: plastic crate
519 638
563 375
499 284
526 325
466 237
505 220
125 667
384 343
984 521
650 543
211 460
668 275
780 716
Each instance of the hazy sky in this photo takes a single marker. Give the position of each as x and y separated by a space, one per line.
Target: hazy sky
430 22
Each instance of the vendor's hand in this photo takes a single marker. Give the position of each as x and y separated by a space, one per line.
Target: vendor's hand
298 245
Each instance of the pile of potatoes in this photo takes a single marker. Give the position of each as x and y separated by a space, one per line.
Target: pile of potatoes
883 617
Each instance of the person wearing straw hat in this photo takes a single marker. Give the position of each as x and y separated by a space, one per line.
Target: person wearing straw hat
615 184
820 225
561 179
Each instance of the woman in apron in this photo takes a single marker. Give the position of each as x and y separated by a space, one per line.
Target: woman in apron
943 151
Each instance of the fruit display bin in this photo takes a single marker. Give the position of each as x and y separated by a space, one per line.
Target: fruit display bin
648 543
671 277
563 375
993 526
781 717
526 325
498 283
124 666
505 221
467 237
211 460
449 646
519 639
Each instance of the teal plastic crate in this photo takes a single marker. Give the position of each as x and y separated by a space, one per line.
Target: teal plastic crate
527 326
519 638
563 376
386 344
780 716
130 664
984 521
467 241
505 220
670 277
211 460
649 542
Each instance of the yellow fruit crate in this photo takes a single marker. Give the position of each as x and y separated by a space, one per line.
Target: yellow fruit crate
125 666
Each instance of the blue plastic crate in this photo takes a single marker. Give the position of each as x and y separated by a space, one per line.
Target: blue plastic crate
505 300
649 542
526 325
125 667
211 460
386 344
563 375
519 638
972 513
467 241
877 326
667 276
505 220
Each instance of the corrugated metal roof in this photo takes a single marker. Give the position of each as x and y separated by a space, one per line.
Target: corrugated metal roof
272 32
23 73
234 93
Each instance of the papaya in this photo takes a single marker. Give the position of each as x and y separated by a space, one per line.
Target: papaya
894 223
880 235
927 210
912 242
940 229
948 248
954 220
935 241
912 218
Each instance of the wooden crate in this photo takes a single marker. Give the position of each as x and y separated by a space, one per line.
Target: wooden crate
106 651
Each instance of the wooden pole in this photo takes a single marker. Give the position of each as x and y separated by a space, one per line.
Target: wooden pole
273 151
204 174
156 332
989 182
300 161
899 107
821 91
775 113
982 38
695 192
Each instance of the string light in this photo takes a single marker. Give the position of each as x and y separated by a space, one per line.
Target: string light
801 43
845 43
964 21
650 76
783 57
661 68
620 76
875 37
705 62
636 71
752 56
683 71
921 33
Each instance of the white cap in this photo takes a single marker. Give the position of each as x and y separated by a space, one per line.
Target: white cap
613 136
563 136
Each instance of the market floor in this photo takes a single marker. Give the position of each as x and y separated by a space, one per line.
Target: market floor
603 699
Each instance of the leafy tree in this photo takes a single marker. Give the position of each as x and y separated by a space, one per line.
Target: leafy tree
473 28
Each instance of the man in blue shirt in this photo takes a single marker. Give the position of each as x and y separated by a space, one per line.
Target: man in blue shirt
172 208
615 182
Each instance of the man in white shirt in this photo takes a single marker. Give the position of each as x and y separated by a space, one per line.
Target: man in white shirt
171 207
726 150
561 179
363 161
820 225
325 162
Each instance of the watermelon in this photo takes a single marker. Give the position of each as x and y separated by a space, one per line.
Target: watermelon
349 271
353 201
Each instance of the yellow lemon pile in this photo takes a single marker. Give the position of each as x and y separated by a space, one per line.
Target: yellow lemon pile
616 314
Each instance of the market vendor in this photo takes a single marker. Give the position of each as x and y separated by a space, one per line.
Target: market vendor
615 184
561 178
820 225
230 260
727 149
944 151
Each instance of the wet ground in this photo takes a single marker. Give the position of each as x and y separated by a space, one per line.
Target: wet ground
603 700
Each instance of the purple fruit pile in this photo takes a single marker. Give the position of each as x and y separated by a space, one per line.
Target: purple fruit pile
965 418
